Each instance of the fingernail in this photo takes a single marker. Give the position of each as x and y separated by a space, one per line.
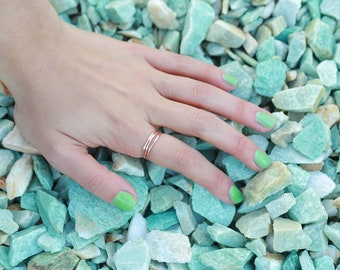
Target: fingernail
265 119
235 195
124 201
230 79
262 159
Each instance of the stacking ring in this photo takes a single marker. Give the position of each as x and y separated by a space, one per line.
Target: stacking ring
150 142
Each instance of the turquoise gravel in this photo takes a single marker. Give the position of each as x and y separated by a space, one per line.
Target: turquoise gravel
285 58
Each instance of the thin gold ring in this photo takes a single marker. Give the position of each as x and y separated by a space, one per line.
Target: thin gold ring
150 142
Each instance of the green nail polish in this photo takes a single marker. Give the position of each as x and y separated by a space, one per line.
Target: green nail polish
124 201
262 159
235 195
265 119
230 79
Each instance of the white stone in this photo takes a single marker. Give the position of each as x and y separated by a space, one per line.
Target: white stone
288 9
137 227
169 247
321 183
327 72
19 176
161 15
126 164
133 255
89 252
15 141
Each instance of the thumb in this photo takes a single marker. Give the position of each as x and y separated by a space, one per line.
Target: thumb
75 162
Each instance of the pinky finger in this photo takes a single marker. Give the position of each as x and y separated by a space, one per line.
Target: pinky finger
75 162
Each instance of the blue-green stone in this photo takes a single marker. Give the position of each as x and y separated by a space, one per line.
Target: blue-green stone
198 19
3 200
94 216
297 47
25 218
78 242
185 216
5 100
266 50
324 263
23 244
52 212
51 243
257 246
5 127
27 201
197 250
308 63
291 262
270 77
64 259
244 87
62 6
42 171
314 8
162 221
316 232
269 262
180 7
156 172
308 208
314 138
4 259
208 206
320 39
7 160
226 258
7 224
288 9
226 236
120 11
201 236
300 178
236 169
305 260
332 232
163 197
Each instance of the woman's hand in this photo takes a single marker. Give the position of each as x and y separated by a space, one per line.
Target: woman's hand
76 90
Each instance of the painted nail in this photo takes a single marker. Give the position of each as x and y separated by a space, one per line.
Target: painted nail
265 119
235 195
262 159
124 201
230 79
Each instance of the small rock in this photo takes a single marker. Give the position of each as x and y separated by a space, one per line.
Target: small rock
316 232
120 11
15 141
7 224
88 252
276 25
51 243
162 221
257 246
162 15
65 259
333 233
269 261
308 208
226 236
226 34
197 250
19 176
270 77
320 39
324 262
288 9
329 113
281 205
169 247
255 224
305 260
42 171
297 47
289 236
163 198
267 182
226 258
126 164
133 255
285 134
330 8
327 72
208 206
185 216
299 99
7 160
137 227
198 19
320 183
201 235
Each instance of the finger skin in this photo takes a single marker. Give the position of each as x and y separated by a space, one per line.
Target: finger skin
210 98
75 162
176 155
187 66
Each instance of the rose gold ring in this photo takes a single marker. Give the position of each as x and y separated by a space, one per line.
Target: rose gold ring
150 142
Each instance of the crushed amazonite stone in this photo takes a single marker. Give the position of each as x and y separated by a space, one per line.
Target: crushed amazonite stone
286 57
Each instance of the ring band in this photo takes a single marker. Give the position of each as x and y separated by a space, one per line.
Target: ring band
150 142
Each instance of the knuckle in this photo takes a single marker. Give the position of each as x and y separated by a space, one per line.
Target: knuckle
199 92
201 121
95 183
241 145
54 153
217 179
241 107
185 158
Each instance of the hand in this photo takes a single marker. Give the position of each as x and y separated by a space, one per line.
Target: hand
77 90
